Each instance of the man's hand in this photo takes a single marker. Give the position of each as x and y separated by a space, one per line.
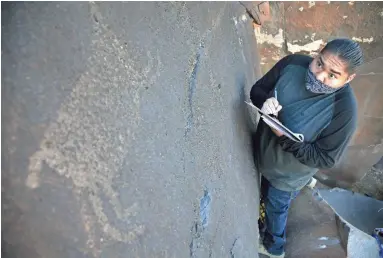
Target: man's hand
271 107
276 132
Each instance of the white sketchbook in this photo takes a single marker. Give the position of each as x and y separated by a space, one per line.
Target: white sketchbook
274 123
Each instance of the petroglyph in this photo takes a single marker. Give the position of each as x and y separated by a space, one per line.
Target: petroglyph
90 138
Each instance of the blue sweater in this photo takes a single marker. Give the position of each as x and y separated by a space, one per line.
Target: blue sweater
327 122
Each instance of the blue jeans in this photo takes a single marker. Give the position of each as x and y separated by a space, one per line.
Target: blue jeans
277 203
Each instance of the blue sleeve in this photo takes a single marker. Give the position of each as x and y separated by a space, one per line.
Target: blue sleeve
262 88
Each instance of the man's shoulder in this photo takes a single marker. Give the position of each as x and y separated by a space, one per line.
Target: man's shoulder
346 103
347 97
297 60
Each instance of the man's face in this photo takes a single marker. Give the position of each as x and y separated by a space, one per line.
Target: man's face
330 70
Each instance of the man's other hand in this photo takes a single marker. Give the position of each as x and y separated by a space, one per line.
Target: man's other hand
276 132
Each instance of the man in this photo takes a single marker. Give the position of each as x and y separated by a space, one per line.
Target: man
310 96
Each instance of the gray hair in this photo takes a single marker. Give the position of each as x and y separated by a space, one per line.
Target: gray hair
347 50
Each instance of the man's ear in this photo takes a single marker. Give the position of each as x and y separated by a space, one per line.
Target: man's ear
351 77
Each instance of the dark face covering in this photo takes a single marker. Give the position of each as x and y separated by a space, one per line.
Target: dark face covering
316 86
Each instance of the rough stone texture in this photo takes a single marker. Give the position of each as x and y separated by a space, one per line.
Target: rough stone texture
360 215
304 27
259 11
311 229
332 223
371 183
117 119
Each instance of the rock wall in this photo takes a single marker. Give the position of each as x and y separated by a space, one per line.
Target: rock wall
124 130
